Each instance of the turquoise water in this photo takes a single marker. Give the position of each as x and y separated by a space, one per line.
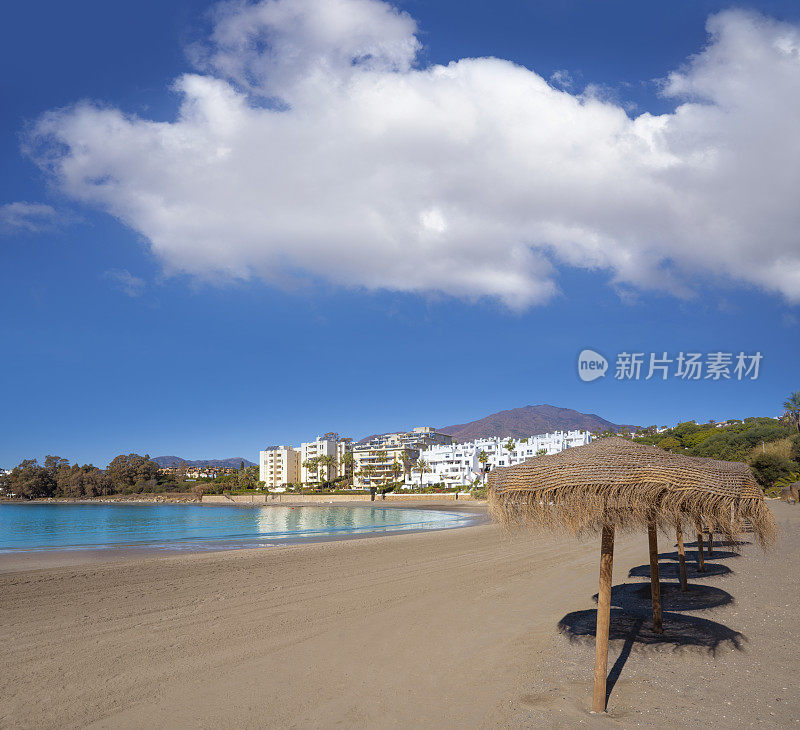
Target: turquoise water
37 526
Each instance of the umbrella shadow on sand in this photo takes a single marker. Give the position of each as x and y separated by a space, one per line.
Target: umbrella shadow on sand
631 624
671 571
719 543
691 555
635 598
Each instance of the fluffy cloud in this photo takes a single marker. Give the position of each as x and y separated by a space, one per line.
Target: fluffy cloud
27 217
310 144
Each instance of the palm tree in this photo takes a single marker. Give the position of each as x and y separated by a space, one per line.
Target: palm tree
483 457
348 461
792 407
422 467
405 460
790 478
312 464
366 472
509 446
396 468
325 463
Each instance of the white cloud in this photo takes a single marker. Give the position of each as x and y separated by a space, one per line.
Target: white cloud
310 142
26 217
562 79
126 282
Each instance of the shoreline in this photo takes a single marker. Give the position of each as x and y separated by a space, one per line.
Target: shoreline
174 497
186 498
39 559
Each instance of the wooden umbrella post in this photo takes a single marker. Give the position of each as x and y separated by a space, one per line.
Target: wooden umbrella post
603 620
681 557
701 563
655 585
710 541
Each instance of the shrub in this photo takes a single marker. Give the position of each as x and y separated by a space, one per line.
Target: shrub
768 468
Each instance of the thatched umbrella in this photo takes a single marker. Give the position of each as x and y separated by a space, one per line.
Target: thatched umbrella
749 492
615 484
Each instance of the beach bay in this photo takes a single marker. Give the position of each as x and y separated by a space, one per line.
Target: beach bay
451 628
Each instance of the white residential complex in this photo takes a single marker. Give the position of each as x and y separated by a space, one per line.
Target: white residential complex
460 465
279 466
393 457
313 461
386 458
331 449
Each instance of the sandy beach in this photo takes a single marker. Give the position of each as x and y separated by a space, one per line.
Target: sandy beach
454 628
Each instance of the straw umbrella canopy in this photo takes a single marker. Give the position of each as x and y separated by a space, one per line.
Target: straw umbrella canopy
614 481
615 484
750 496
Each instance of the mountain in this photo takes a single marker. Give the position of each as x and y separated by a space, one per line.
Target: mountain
531 420
234 461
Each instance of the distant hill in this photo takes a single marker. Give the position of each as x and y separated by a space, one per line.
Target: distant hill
164 461
530 420
527 421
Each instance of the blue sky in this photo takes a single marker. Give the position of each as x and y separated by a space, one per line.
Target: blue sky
112 346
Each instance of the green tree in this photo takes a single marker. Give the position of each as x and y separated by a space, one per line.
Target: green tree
509 446
31 481
483 458
422 467
792 407
146 468
132 471
324 465
348 462
670 444
395 469
53 464
121 472
247 478
795 453
84 481
405 460
366 473
312 465
769 468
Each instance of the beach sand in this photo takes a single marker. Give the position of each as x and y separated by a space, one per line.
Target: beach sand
454 628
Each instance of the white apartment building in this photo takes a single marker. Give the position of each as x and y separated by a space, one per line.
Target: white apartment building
279 466
459 465
330 445
375 460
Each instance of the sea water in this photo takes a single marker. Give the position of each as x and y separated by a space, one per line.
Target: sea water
69 526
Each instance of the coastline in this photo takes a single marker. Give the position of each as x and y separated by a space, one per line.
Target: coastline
36 559
186 498
171 497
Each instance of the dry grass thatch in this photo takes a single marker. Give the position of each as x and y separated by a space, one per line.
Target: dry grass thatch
615 481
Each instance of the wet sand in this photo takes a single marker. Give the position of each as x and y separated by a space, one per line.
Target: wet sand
454 628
